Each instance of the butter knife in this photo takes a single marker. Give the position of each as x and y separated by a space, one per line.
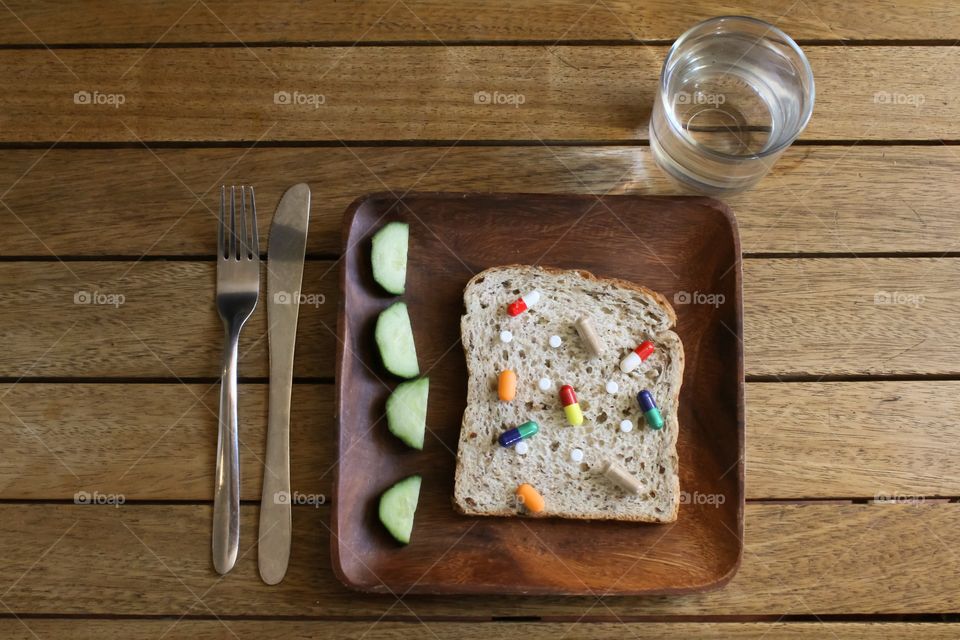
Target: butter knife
285 253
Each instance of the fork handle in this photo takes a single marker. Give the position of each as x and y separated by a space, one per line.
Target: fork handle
226 497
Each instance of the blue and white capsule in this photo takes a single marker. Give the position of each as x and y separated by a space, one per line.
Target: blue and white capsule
649 409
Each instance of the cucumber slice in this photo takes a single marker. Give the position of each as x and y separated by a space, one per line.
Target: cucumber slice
395 340
407 411
398 504
389 257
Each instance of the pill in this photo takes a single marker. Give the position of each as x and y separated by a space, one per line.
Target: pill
576 455
555 341
513 436
568 398
649 408
589 336
530 498
523 303
507 385
506 336
545 384
522 448
626 426
620 476
633 359
612 386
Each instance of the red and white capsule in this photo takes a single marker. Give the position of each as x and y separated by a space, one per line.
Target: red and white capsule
526 301
636 357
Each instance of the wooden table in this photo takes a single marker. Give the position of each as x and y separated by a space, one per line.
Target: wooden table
852 259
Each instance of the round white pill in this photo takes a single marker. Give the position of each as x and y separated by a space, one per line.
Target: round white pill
506 336
555 341
612 386
522 448
545 384
626 426
576 455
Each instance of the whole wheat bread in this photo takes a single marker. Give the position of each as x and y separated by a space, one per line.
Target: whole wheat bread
623 314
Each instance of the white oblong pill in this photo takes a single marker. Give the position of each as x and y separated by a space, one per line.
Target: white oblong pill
626 426
576 455
522 448
555 341
545 384
612 386
505 336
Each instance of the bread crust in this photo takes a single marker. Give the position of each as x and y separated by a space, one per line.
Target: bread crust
671 426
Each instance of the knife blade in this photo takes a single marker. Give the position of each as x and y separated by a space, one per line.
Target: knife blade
285 253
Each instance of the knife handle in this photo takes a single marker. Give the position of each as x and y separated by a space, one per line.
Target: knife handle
273 552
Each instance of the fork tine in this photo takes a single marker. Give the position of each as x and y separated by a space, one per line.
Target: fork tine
221 247
255 234
244 242
233 223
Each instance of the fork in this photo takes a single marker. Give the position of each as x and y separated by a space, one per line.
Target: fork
238 288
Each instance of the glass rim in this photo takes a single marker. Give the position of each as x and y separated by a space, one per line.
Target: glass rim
769 29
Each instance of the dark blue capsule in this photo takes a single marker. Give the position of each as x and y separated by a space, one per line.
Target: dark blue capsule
513 436
645 398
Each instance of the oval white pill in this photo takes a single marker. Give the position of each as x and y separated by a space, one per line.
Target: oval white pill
522 448
576 455
506 336
545 384
555 341
626 426
612 386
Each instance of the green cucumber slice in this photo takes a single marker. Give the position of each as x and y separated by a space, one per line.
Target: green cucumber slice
389 256
398 504
394 337
407 411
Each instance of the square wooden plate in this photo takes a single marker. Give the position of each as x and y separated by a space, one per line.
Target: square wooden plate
686 248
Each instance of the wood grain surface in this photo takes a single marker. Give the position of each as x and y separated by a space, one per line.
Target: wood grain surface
248 21
86 629
850 296
570 93
820 440
827 558
802 317
845 199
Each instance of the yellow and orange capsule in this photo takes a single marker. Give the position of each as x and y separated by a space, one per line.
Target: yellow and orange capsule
507 385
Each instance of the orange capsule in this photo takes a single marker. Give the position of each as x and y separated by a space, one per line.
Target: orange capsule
530 498
507 385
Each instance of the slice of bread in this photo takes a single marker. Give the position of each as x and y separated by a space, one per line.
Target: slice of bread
623 315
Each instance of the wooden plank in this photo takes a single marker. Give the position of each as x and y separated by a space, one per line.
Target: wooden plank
819 199
802 317
149 442
799 560
581 93
886 440
218 21
96 629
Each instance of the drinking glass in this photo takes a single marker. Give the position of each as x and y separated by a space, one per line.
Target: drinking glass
734 93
